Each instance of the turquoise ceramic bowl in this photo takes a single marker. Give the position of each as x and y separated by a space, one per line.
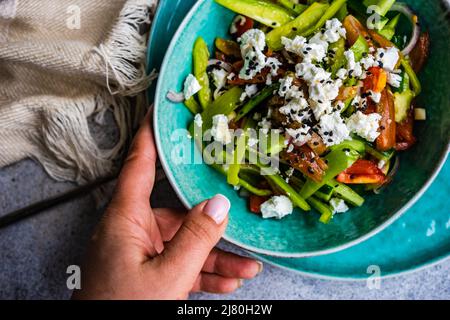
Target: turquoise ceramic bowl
299 235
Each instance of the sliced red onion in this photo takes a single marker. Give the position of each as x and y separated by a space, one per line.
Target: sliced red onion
226 66
175 97
404 9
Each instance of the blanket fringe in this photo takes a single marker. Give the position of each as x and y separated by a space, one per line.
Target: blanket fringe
124 51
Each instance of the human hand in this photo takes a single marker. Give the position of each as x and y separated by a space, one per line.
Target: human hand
138 252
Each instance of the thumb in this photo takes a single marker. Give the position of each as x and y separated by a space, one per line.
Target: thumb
201 231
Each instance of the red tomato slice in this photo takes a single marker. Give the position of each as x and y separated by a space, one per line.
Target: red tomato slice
361 179
364 167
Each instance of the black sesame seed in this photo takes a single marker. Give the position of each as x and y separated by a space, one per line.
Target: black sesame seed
308 48
346 150
382 127
326 133
381 54
274 23
316 143
310 170
294 29
330 140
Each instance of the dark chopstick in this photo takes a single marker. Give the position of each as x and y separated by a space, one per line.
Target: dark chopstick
31 210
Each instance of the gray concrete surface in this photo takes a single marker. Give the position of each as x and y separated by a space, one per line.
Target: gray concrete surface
35 254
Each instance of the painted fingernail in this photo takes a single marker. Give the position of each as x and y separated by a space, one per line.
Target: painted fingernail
217 208
261 266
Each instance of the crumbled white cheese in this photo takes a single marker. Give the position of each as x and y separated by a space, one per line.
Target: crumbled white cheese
249 92
359 102
339 205
394 80
365 126
333 31
253 43
342 74
388 57
220 131
253 39
277 207
321 109
288 90
295 45
297 110
311 73
219 77
326 91
300 136
231 76
368 61
375 96
274 65
269 80
332 129
198 120
354 68
191 86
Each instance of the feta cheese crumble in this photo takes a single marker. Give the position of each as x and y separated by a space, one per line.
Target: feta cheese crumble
277 207
394 80
249 92
219 77
220 131
388 57
365 126
191 86
339 205
375 96
253 43
332 129
301 135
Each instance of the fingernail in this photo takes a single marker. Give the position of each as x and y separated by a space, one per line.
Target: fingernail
261 266
217 208
159 247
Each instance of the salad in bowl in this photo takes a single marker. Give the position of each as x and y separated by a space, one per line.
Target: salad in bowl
308 103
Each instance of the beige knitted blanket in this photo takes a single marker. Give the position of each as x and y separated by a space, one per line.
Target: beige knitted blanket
64 62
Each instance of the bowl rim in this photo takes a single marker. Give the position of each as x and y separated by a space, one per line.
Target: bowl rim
183 199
